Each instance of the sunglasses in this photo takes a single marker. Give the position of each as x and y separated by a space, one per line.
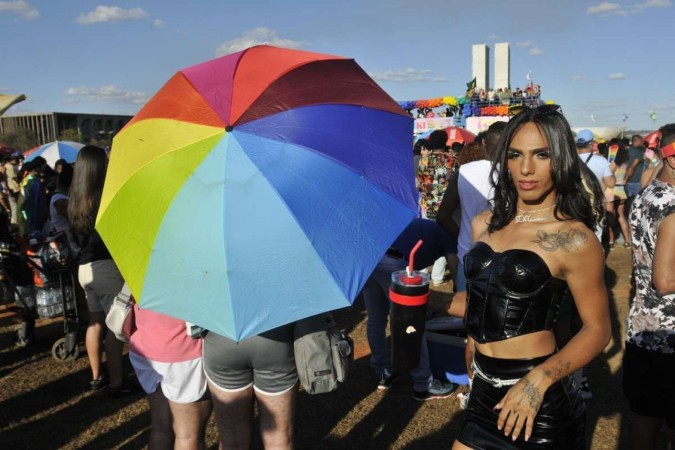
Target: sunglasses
544 110
549 109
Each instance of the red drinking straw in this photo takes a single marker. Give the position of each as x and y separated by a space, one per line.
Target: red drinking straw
411 259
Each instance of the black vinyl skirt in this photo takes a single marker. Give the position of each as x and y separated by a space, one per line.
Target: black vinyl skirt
560 423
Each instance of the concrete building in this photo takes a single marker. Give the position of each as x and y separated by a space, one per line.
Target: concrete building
48 126
502 65
481 65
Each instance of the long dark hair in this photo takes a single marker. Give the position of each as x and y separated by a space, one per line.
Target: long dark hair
579 195
85 190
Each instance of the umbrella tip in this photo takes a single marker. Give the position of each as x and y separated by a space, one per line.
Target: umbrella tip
229 128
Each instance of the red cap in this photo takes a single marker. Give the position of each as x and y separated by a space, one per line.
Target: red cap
668 150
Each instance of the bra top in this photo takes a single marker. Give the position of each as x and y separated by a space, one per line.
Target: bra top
509 293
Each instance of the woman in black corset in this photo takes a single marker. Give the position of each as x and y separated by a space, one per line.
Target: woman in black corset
535 245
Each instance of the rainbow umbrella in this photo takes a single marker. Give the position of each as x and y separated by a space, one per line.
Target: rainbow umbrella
257 189
56 150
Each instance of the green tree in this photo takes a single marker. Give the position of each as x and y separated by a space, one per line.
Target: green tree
22 139
71 134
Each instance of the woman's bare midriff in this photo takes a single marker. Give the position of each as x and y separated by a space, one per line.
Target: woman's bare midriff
530 345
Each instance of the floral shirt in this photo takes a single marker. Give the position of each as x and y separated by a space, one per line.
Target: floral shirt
432 180
651 320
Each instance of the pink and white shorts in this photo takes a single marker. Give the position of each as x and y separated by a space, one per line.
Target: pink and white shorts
181 382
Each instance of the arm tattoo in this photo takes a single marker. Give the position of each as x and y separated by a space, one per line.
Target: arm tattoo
565 240
532 394
560 370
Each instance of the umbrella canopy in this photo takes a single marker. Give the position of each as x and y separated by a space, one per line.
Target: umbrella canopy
6 150
436 242
455 134
257 189
56 150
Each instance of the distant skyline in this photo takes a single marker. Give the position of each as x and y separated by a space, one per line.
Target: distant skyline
600 60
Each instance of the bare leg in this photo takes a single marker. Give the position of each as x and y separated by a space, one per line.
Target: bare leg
92 340
189 423
611 217
623 223
113 355
459 446
234 417
645 432
277 413
161 433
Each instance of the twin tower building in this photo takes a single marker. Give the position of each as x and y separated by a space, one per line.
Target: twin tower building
481 66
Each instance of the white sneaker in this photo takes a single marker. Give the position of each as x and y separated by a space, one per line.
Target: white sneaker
438 271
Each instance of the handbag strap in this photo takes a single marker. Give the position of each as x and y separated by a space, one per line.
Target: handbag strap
125 294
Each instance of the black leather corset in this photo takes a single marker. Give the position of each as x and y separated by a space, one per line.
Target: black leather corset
509 294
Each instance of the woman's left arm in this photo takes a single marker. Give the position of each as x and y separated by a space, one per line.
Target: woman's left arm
583 266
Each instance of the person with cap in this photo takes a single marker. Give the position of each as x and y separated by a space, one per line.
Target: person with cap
598 164
649 359
636 160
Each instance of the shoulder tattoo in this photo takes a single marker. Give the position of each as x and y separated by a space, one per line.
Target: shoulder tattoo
563 240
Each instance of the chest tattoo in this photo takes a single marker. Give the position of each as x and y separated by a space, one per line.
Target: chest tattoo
564 240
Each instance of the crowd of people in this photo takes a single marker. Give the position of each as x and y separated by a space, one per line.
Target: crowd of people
528 206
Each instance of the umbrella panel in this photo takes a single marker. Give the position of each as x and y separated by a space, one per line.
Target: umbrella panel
250 245
132 209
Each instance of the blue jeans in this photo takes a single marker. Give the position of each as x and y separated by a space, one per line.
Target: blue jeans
376 298
632 189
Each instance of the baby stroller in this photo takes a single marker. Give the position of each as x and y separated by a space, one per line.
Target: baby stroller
41 279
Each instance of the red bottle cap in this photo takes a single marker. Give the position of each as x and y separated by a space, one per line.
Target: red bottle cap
411 280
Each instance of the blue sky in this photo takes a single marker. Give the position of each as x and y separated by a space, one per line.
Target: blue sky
595 58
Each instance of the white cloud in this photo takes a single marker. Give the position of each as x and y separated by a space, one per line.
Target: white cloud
21 7
439 79
609 8
577 77
653 4
256 36
407 75
530 47
109 93
111 14
158 23
604 8
616 76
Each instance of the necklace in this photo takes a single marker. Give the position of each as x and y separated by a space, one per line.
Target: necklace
526 216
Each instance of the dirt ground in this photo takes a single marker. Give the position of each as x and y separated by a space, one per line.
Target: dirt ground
45 404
